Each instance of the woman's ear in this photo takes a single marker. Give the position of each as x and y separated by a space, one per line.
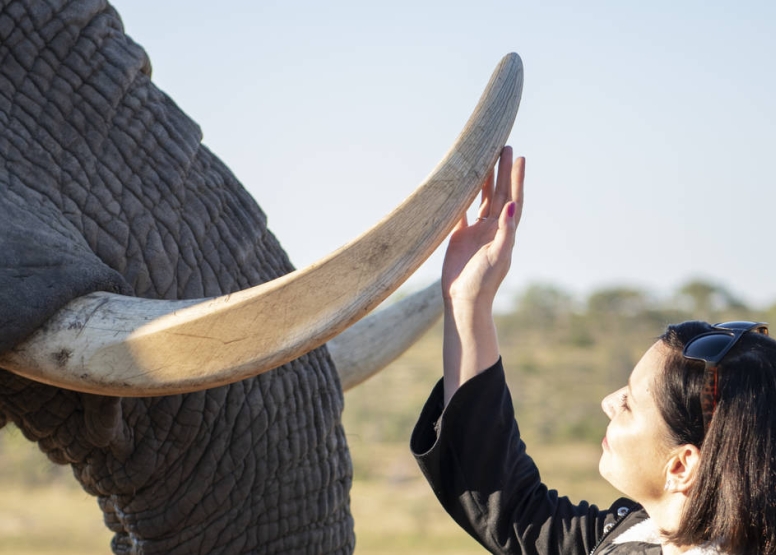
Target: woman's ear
682 468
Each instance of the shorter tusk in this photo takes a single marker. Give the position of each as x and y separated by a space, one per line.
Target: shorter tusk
112 345
374 342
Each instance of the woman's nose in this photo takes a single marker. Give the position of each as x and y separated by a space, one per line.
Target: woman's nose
608 404
605 407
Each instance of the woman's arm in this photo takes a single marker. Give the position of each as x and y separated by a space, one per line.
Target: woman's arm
467 442
477 260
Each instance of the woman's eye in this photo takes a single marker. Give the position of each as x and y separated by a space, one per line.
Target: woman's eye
624 401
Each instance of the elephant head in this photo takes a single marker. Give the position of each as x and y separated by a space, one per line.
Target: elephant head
153 333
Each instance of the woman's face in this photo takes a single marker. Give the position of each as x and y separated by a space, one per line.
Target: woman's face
635 450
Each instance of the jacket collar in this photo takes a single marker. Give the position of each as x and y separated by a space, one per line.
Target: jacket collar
646 532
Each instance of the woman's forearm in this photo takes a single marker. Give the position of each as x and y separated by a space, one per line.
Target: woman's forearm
470 343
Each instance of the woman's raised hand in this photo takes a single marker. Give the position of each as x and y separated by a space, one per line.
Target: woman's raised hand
479 255
476 262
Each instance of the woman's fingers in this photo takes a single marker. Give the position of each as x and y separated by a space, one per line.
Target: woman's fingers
502 193
496 193
504 239
487 195
510 215
462 223
516 193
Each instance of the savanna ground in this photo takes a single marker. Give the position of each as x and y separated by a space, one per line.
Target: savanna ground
561 357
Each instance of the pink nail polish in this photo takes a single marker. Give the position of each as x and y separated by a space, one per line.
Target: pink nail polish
511 209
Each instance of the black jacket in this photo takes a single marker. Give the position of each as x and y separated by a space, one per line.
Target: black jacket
473 457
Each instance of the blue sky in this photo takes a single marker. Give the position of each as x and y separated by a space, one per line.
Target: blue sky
648 127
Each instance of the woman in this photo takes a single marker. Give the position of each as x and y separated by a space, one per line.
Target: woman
691 438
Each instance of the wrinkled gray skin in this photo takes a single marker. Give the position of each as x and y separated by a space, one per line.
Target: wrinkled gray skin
104 185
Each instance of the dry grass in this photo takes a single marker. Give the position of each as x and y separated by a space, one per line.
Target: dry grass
52 520
394 508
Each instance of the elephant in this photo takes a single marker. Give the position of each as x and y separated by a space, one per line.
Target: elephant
112 209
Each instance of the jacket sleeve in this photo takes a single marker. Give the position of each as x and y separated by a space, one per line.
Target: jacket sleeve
472 455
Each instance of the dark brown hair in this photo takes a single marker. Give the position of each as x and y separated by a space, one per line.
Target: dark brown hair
733 500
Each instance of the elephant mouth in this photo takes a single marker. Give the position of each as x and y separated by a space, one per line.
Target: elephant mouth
114 345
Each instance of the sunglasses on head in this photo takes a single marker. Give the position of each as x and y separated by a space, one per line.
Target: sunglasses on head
711 347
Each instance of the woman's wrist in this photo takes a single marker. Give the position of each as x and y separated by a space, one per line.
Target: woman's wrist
480 305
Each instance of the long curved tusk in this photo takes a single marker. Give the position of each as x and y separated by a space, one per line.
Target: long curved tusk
113 345
372 343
